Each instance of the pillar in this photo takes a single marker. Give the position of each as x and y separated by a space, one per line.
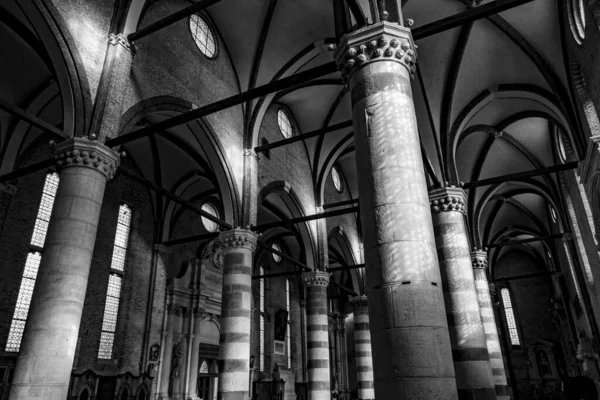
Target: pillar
411 347
362 346
43 368
167 353
238 248
469 350
199 315
479 260
319 385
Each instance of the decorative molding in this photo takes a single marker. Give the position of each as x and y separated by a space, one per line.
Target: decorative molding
238 238
359 301
79 152
251 153
479 259
448 199
316 278
383 41
591 164
119 39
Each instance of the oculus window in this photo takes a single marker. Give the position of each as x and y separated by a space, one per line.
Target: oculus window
276 257
203 36
576 11
210 226
285 123
336 177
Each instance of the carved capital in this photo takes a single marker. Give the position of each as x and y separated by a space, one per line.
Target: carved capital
201 313
359 301
119 39
238 238
448 199
316 278
383 41
479 259
79 152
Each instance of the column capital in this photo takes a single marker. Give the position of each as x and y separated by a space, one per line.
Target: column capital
238 238
479 259
448 199
316 278
80 152
383 41
119 39
359 301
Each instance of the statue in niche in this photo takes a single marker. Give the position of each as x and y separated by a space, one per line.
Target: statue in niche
154 352
176 360
543 363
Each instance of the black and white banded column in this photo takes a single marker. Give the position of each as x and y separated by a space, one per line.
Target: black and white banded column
318 334
362 346
479 260
469 349
234 343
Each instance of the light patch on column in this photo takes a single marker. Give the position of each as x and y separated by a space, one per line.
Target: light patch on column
115 281
510 317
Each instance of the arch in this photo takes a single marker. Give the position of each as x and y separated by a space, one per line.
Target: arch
218 161
287 194
329 162
340 246
66 62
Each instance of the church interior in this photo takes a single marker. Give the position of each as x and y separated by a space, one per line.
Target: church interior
299 199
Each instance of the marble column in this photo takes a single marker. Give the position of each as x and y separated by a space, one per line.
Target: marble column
43 368
412 356
362 348
238 248
319 385
469 350
479 260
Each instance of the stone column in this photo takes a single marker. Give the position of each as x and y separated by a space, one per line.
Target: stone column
167 354
362 346
318 334
199 315
469 350
238 247
44 365
479 260
411 353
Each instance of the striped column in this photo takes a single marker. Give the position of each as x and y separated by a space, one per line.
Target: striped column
362 346
318 335
234 343
479 260
469 349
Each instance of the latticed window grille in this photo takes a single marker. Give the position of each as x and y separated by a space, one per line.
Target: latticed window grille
510 317
289 323
38 238
203 36
115 281
285 123
261 350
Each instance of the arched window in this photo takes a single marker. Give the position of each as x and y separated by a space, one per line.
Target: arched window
562 148
115 280
32 263
276 257
336 177
141 394
209 225
509 314
284 121
84 395
577 22
203 36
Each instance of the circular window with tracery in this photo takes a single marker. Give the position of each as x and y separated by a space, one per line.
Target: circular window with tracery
209 225
562 149
336 177
203 36
276 257
285 123
576 11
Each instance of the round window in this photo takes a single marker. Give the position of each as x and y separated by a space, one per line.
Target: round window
203 36
553 214
336 177
285 123
562 149
576 12
210 226
276 257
